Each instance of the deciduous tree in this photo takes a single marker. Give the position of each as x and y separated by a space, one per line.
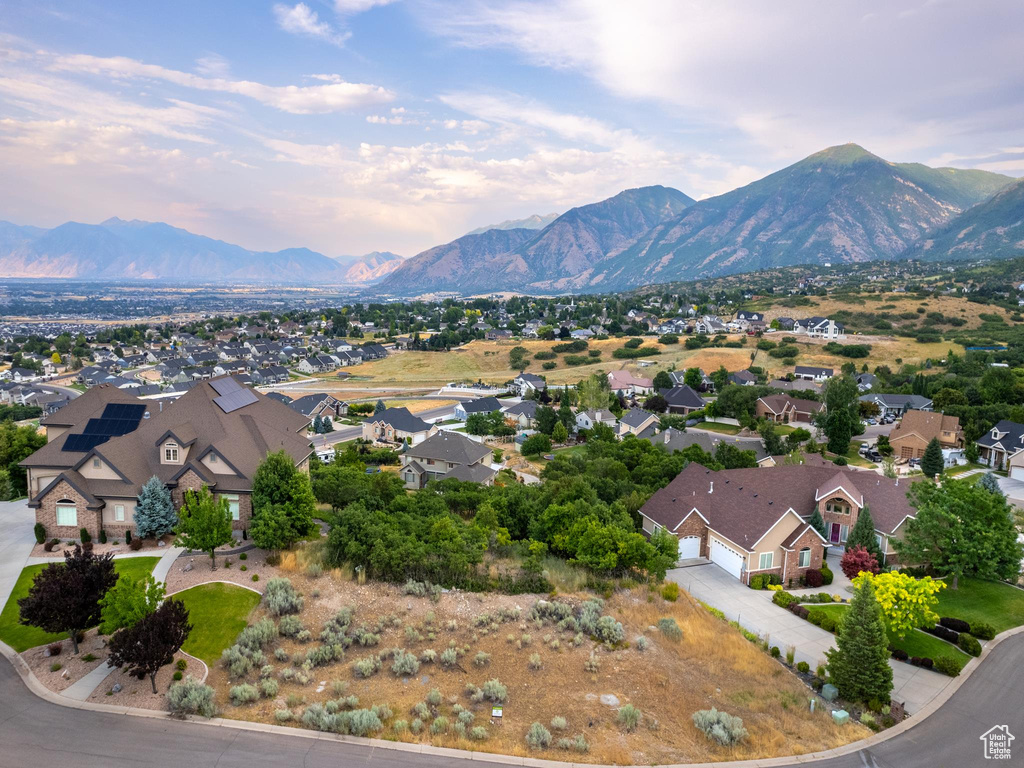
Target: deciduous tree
840 420
857 560
129 601
204 523
151 642
907 603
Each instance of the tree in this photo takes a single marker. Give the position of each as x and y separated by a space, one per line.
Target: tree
859 664
931 462
593 393
318 424
990 483
692 378
154 514
328 424
204 523
817 522
546 418
883 446
379 408
152 641
536 444
65 597
907 603
720 378
129 601
971 452
863 534
772 441
17 444
731 457
559 434
960 529
840 420
279 485
662 380
856 560
656 404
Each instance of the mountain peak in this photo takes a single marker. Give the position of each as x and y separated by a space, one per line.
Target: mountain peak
842 154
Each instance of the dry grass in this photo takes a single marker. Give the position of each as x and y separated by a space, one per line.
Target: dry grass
417 406
950 306
712 666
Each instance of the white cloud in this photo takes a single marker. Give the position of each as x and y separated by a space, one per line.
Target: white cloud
352 7
335 96
300 19
213 65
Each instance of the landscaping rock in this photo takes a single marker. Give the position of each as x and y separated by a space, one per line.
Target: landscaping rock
187 568
841 716
609 699
116 688
829 692
161 544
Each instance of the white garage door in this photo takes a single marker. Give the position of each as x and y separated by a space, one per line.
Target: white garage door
689 547
1017 473
726 558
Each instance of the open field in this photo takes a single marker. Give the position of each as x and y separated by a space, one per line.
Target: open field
713 665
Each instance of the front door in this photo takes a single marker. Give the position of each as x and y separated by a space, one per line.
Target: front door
834 533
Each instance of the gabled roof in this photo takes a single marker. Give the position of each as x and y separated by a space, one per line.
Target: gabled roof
636 417
925 424
482 405
1011 437
683 396
473 473
401 419
917 402
451 447
87 405
526 408
813 370
676 440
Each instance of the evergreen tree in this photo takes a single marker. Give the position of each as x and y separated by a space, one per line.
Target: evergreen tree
662 380
773 443
840 420
817 522
318 425
379 407
859 664
204 523
863 534
154 513
152 641
931 462
328 424
65 597
990 483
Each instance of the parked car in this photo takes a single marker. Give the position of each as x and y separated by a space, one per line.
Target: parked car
914 463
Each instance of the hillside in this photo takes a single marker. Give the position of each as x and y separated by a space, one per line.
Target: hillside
558 256
843 204
536 221
994 229
369 268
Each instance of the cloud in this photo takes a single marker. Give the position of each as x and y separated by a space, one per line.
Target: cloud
336 96
213 65
303 20
352 7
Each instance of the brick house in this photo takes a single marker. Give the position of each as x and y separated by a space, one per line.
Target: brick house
783 409
751 521
912 435
105 445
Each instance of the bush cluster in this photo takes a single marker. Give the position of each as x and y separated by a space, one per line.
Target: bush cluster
281 598
720 727
191 697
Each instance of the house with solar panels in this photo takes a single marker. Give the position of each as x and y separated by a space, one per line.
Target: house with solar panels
103 446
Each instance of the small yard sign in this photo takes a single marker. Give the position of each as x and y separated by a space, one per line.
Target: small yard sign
495 711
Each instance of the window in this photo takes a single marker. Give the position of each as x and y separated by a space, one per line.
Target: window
96 463
67 513
765 561
878 538
171 452
804 558
844 531
233 505
119 513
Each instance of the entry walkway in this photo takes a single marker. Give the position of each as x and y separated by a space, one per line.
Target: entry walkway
755 612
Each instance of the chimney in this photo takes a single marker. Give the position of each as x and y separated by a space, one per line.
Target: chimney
712 488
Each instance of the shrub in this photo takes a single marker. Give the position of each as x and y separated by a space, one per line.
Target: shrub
983 631
775 652
759 581
434 698
558 723
268 688
783 599
479 733
670 629
181 664
440 725
538 737
642 643
899 654
135 544
609 631
813 578
281 598
670 591
243 556
482 659
969 644
826 575
720 727
56 666
40 531
362 722
945 633
243 694
84 535
290 626
449 657
191 697
592 664
535 661
428 656
55 648
815 616
416 725
405 663
367 667
803 667
957 625
947 666
828 623
494 690
629 718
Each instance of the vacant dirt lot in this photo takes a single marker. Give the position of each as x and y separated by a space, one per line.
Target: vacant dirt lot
711 666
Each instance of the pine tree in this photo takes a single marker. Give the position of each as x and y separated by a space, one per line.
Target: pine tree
154 514
817 522
328 424
379 407
931 462
990 483
863 534
859 664
318 425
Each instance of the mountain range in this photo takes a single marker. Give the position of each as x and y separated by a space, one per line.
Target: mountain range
842 204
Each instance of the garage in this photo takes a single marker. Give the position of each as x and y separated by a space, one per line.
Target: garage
1017 473
689 547
726 558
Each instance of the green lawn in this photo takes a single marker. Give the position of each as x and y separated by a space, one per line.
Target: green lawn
725 429
217 613
21 637
992 602
855 459
571 449
916 643
961 468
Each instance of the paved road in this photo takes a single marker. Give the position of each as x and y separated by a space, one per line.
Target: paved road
341 434
34 732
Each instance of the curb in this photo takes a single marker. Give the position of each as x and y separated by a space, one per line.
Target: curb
36 687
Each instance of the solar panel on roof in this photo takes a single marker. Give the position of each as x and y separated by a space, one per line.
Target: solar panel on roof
235 400
83 443
225 386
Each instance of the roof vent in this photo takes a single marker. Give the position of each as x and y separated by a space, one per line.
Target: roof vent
673 501
770 503
755 495
145 415
712 488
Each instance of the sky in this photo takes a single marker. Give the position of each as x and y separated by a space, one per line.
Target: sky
347 126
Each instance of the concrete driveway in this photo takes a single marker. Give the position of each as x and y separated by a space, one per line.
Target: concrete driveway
755 612
16 521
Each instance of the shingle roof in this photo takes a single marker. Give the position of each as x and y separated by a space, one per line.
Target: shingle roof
1011 441
925 424
634 417
482 405
916 402
675 440
526 408
401 419
451 447
474 473
87 405
683 396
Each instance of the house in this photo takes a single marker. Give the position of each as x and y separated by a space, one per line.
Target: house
528 382
481 405
447 455
396 425
797 385
673 439
707 384
587 419
784 409
318 364
638 422
865 381
625 383
524 414
105 445
912 435
320 404
498 334
812 373
1001 444
745 316
683 399
784 323
751 521
743 378
709 326
897 405
820 328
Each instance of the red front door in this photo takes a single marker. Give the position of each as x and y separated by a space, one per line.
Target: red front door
834 533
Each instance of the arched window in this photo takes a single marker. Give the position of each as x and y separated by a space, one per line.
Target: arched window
838 506
67 513
804 558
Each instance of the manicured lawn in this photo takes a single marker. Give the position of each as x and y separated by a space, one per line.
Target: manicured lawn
854 458
961 468
21 637
992 602
217 613
725 429
571 449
